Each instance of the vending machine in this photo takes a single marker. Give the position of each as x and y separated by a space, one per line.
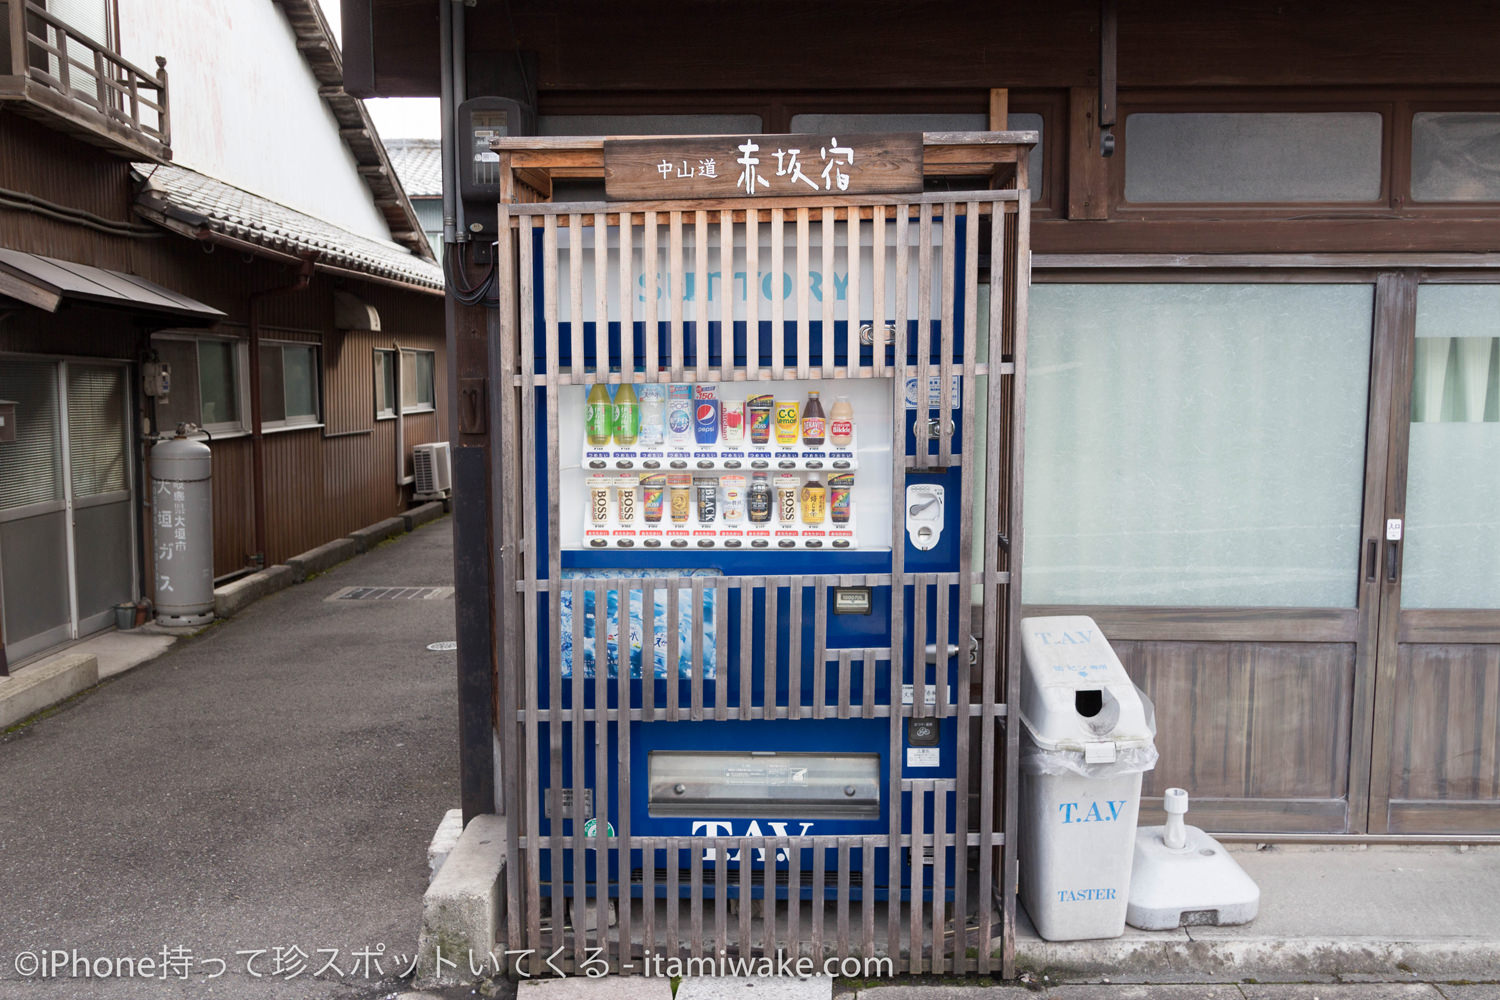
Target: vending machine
751 566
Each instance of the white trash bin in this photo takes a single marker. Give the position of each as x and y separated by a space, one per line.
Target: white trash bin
1088 734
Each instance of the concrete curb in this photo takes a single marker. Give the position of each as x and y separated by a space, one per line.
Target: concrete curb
33 688
461 910
423 514
368 537
236 596
1267 959
322 558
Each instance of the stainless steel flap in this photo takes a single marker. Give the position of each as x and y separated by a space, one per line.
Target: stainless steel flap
764 784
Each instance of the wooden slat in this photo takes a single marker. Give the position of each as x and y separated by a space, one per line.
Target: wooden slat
778 301
828 296
745 667
915 965
898 578
648 896
802 279
868 693
770 698
575 778
940 642
793 892
752 298
924 336
528 569
746 899
601 752
723 678
989 652
820 649
796 590
554 582
867 899
700 295
841 904
648 652
940 875
653 275
675 280
818 911
919 707
674 898
602 357
698 629
877 292
627 306
575 294
620 846
945 360
768 899
726 298
674 658
851 299
695 902
964 693
845 660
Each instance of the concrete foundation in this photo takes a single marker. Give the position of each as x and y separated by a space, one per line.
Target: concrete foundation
31 689
236 596
462 908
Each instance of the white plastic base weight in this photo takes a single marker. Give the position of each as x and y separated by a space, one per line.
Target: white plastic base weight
1192 885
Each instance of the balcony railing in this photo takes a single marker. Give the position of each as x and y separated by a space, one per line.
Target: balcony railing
52 65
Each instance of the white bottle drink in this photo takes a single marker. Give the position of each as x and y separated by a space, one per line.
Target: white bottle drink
653 414
841 422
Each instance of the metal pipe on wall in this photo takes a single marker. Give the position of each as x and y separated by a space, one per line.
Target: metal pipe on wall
449 134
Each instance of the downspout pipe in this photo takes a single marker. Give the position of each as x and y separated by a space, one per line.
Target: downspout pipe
449 112
257 435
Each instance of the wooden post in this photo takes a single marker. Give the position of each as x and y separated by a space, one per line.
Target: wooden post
999 109
1088 172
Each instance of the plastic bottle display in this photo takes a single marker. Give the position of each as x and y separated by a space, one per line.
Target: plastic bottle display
679 414
759 501
699 471
732 422
814 424
627 414
814 502
788 421
841 422
653 416
599 415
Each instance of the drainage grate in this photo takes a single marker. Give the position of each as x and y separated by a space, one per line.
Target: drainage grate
392 594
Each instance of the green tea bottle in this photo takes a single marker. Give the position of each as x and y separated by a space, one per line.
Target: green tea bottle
627 414
598 415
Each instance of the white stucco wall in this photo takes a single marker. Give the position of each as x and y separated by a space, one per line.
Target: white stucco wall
245 107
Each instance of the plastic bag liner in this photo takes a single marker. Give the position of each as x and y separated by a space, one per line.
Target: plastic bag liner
1061 761
688 618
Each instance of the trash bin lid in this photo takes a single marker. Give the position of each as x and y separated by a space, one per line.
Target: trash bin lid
1075 694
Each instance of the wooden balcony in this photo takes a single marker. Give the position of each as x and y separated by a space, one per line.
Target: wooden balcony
78 85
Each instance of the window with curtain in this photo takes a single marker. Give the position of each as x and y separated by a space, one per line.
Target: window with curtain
288 384
1195 444
1452 547
418 394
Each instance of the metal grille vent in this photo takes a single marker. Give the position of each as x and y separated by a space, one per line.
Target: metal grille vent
392 594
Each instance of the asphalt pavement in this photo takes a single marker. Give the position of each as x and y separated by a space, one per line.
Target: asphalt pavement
247 815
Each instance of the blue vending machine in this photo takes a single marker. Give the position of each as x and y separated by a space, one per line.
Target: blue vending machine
747 577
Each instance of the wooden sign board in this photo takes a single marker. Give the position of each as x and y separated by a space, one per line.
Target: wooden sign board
779 166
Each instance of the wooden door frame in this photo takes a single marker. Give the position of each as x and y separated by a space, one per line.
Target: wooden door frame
1471 819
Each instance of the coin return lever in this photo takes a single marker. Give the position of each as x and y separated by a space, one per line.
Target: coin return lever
764 784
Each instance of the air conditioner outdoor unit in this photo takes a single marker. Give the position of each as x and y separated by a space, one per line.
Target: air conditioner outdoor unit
434 476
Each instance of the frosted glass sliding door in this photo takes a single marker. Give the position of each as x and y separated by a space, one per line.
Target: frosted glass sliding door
1196 444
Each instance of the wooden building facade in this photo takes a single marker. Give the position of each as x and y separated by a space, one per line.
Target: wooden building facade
109 267
1263 419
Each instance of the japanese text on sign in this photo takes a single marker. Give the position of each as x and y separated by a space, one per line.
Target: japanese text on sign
762 165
